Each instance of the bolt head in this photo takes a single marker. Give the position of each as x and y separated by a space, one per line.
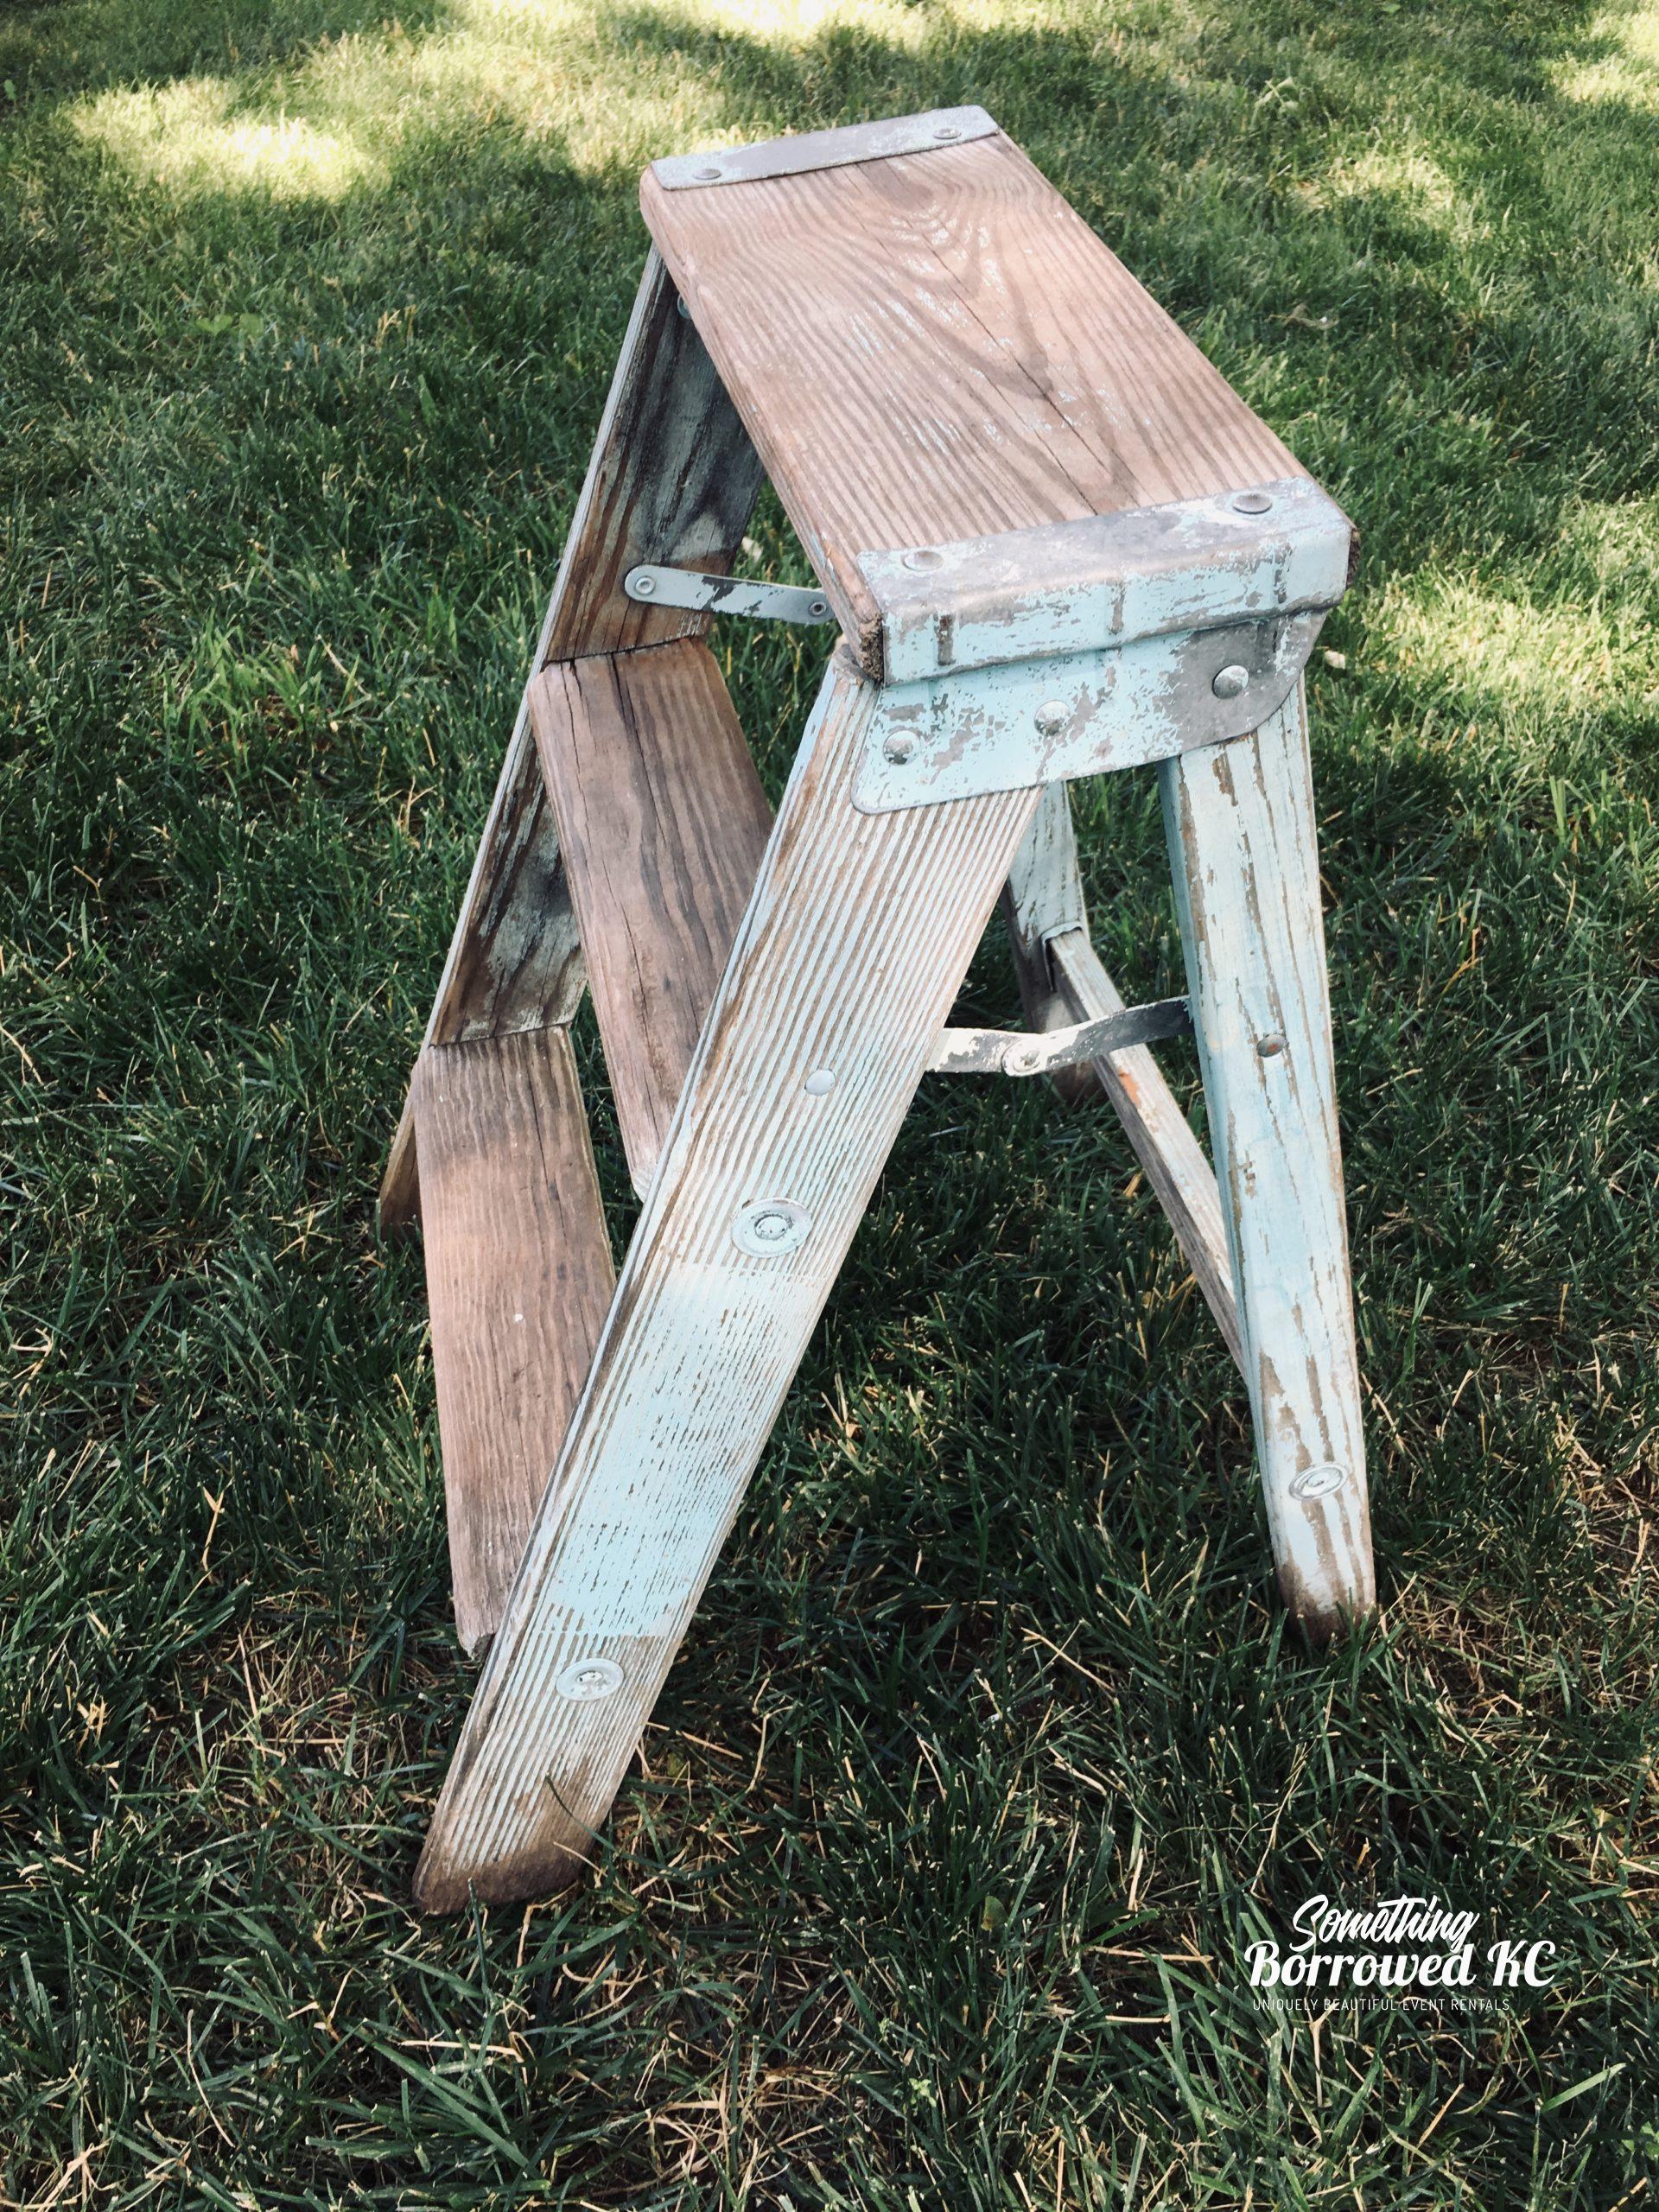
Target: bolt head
1051 717
1252 502
770 1227
588 1681
820 1083
1229 682
924 557
1318 1482
898 749
1268 1048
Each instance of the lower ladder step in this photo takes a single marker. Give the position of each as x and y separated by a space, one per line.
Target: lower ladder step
662 822
520 1277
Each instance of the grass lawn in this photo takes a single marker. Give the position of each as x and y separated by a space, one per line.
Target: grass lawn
989 1753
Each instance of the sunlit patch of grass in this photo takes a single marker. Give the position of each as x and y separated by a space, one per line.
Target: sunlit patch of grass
1624 43
1561 656
193 137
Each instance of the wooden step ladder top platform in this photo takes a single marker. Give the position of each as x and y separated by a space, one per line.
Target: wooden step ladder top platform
932 345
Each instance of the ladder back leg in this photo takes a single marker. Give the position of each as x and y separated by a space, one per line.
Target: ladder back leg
1240 827
857 934
1044 900
1062 980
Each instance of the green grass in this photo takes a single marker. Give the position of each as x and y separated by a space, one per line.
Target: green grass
988 1749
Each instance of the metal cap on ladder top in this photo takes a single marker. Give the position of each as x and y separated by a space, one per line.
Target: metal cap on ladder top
1260 551
1074 648
931 132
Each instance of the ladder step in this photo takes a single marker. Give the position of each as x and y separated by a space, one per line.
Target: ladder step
663 824
519 1277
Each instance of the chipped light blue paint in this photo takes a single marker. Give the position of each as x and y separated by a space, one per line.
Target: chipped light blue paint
1109 579
1019 724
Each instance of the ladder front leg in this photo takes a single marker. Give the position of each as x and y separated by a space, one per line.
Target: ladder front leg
857 936
1243 853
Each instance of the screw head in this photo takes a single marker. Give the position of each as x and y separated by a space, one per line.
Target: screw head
1318 1482
1051 717
588 1681
1020 1060
898 749
1229 682
820 1083
770 1227
1252 502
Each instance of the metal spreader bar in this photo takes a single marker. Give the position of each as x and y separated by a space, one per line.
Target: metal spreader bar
692 588
1033 1052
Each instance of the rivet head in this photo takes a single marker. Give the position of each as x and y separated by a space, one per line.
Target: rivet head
1051 717
1229 682
1020 1060
898 748
644 587
709 174
1268 1048
770 1227
924 557
947 131
817 608
820 1083
1319 1482
1252 502
588 1681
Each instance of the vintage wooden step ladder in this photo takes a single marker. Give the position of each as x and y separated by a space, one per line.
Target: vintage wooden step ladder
1055 542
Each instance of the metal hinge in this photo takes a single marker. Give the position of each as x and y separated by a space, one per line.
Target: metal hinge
703 594
1031 1052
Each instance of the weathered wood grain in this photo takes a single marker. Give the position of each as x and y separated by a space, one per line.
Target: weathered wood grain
519 1277
663 822
673 478
829 975
947 318
1243 851
1171 1157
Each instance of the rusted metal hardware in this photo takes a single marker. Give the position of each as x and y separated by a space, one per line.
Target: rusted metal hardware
1033 1051
692 588
825 149
1272 551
